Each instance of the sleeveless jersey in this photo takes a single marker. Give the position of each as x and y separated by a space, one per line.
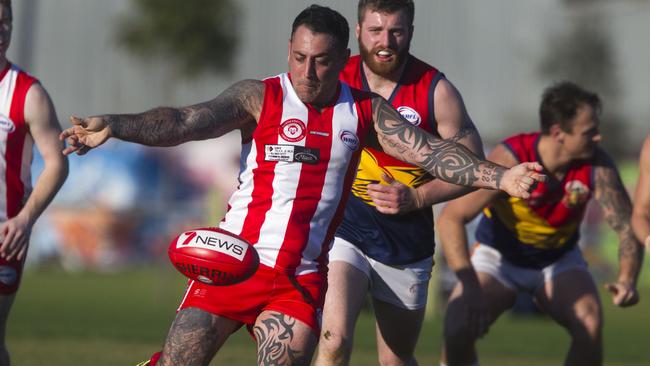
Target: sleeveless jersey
15 141
295 175
393 239
536 231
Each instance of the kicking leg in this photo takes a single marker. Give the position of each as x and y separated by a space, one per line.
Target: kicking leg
195 337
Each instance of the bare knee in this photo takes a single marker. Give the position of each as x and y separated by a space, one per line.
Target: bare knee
334 348
588 323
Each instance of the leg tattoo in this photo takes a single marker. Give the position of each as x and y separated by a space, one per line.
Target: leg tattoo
274 337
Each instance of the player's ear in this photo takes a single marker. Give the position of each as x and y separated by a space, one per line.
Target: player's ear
556 132
357 30
289 50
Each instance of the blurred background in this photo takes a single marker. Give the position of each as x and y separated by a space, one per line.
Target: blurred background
123 203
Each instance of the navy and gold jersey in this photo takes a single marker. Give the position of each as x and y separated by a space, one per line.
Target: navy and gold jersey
392 239
535 232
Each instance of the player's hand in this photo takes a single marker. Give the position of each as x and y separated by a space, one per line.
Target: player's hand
16 232
395 198
519 180
478 315
623 294
84 134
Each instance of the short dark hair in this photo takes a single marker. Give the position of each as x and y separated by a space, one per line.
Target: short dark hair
560 104
7 3
321 19
386 6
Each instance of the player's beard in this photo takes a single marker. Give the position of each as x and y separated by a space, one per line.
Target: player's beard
384 69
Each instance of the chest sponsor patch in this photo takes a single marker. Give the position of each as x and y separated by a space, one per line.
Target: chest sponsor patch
410 115
6 124
350 140
291 153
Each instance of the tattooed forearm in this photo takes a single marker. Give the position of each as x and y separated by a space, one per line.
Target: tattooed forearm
447 160
193 339
237 107
274 336
157 127
617 209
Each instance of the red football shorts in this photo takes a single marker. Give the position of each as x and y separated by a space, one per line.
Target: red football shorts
10 274
300 297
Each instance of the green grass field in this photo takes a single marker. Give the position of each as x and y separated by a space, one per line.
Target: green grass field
121 318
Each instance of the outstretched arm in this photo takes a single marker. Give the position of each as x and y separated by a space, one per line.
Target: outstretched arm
44 129
454 124
641 212
447 160
617 207
238 107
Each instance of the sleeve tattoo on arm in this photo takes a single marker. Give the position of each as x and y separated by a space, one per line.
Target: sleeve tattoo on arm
236 107
445 159
617 209
466 128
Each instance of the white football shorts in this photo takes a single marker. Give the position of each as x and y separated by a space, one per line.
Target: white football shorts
405 286
488 260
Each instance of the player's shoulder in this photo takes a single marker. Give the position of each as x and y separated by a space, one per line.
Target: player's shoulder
418 64
522 142
502 154
361 94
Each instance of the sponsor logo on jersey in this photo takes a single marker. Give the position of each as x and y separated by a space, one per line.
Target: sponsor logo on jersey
8 275
214 241
307 157
575 193
292 130
350 140
410 115
6 124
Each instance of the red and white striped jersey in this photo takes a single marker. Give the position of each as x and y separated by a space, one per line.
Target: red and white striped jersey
15 141
296 174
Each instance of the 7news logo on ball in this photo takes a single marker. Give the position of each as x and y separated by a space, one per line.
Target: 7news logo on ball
213 256
213 241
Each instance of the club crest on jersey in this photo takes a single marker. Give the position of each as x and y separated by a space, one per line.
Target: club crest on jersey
292 130
350 140
576 193
6 124
410 115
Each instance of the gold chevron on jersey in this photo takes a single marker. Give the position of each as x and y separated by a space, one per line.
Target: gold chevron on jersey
529 227
373 163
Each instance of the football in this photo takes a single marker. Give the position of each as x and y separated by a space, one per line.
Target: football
213 256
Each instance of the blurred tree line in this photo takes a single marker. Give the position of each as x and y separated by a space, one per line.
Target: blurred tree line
584 54
194 36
